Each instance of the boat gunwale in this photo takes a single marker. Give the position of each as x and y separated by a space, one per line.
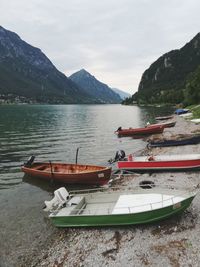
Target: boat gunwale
182 192
114 223
164 158
176 142
77 214
33 169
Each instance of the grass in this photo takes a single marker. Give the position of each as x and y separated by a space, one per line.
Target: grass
195 109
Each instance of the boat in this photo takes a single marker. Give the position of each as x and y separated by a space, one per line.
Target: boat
140 131
186 115
180 111
150 163
172 142
195 120
68 173
164 124
112 208
164 117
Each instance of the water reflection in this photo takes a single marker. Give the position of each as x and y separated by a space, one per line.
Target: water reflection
52 133
55 132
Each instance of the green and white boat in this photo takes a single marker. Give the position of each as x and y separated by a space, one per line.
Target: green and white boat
109 208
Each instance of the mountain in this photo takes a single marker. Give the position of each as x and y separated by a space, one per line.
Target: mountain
27 74
192 89
167 78
121 93
96 89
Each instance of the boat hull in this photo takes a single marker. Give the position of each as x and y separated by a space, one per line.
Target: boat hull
142 166
166 143
181 111
140 131
100 176
122 219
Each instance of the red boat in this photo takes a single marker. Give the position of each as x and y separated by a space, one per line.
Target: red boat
161 163
140 131
68 173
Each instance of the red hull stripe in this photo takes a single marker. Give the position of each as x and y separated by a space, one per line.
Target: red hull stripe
159 164
147 130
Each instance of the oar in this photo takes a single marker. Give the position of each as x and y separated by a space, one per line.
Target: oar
77 150
51 171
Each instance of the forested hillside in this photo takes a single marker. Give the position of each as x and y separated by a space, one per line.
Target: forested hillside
173 78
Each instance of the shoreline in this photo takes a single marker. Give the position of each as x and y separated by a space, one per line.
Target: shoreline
173 242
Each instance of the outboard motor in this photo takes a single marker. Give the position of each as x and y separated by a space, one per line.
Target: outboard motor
119 129
29 161
120 155
60 198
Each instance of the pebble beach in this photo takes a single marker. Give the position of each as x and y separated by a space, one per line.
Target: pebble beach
172 242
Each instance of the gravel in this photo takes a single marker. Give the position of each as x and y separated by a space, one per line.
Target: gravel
172 242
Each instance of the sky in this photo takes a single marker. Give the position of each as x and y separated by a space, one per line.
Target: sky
114 40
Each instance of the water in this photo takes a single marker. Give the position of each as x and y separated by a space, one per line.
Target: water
53 132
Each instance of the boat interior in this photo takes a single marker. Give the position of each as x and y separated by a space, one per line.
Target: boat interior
167 157
117 203
65 168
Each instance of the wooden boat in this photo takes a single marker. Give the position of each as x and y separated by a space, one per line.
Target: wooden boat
161 163
127 207
140 131
164 117
164 124
181 142
68 173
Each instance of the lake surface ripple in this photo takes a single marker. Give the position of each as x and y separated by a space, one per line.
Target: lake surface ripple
52 132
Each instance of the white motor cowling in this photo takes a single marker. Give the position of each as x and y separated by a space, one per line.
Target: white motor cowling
60 198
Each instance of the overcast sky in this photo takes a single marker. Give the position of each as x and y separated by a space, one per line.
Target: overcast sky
115 40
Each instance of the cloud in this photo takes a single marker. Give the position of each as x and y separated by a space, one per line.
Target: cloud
114 40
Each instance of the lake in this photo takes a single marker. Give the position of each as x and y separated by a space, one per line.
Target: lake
53 132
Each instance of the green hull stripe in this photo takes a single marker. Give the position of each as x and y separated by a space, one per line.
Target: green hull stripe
120 219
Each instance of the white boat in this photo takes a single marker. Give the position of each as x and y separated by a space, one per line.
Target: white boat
184 162
185 115
116 207
195 120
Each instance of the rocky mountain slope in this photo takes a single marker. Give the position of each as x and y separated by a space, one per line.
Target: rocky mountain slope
98 90
166 79
121 93
27 74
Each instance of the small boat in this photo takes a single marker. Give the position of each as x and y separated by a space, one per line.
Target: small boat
186 115
164 124
181 142
160 163
164 118
68 173
140 131
195 120
181 111
111 208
